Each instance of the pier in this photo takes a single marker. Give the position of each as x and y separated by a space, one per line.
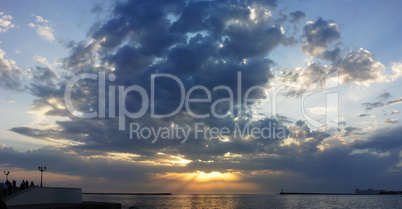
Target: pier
51 197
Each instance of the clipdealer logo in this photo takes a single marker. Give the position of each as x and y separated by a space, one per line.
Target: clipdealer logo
148 100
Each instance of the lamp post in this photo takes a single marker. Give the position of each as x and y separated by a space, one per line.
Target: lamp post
41 169
6 173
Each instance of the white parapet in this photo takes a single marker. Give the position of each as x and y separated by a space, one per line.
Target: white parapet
45 195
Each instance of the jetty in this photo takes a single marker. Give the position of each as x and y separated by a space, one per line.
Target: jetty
314 193
51 197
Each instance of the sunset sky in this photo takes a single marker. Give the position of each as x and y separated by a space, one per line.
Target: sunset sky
322 78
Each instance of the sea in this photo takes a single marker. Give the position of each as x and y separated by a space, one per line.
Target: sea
250 201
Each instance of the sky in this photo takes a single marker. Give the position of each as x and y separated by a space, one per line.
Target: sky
202 97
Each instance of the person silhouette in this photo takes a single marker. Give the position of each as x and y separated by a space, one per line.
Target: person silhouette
22 186
5 187
10 187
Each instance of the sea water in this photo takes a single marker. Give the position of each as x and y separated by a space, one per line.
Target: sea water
251 201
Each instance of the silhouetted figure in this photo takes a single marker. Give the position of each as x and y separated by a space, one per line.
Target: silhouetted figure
14 184
10 188
5 187
26 184
22 186
32 184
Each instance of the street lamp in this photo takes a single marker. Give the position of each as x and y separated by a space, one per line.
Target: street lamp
6 173
41 169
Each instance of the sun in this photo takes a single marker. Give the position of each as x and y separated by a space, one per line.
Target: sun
200 182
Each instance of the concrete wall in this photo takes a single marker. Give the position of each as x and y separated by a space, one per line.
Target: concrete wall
45 195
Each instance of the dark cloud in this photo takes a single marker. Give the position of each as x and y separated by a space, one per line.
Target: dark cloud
393 102
331 54
371 105
364 115
390 121
44 76
81 56
342 123
199 42
350 130
297 16
318 36
385 140
384 96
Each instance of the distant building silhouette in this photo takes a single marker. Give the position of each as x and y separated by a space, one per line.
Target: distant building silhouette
369 191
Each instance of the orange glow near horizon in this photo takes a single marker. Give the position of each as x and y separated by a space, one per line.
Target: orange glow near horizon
204 183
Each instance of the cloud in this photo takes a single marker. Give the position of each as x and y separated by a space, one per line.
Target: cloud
318 36
351 130
394 112
364 115
218 46
44 61
297 16
390 121
383 140
46 32
43 28
342 123
41 19
384 96
43 75
5 22
371 105
354 67
214 48
303 160
359 67
395 101
396 68
11 77
299 80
